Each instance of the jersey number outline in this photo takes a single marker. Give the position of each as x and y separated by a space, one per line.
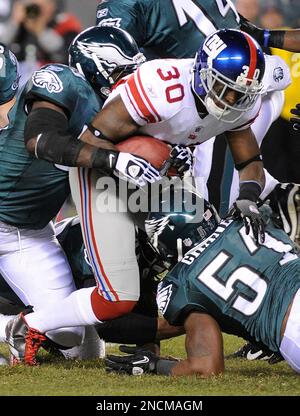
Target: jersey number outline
243 274
171 94
202 22
225 290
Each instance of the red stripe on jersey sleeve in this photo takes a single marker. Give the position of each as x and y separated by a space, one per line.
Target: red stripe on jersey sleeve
134 106
145 95
139 101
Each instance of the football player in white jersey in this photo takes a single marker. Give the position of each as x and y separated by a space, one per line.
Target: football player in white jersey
181 102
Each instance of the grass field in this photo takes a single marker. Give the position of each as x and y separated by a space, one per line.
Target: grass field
88 378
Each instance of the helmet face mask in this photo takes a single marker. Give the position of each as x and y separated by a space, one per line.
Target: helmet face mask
230 64
104 55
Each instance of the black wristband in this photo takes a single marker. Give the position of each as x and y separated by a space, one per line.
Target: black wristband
276 39
249 190
104 160
240 166
96 132
165 367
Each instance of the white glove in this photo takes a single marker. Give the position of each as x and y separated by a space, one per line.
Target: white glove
136 169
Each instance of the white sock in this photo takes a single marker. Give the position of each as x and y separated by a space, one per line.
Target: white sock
91 348
3 322
74 310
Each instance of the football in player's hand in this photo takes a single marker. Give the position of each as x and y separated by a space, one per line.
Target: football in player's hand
151 149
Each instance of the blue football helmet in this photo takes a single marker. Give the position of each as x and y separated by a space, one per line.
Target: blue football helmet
9 74
228 62
183 220
104 55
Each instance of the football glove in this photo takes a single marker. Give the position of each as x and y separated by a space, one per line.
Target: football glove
135 364
135 169
181 158
247 211
296 120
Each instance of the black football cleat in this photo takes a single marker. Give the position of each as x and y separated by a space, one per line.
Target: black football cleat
252 352
285 204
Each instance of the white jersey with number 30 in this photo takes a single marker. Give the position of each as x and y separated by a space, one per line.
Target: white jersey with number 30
159 98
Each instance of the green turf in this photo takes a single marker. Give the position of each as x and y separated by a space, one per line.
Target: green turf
55 377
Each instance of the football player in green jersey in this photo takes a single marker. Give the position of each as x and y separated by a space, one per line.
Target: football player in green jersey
9 82
224 282
176 28
59 100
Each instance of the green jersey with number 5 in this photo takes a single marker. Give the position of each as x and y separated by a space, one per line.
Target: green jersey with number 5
168 28
245 287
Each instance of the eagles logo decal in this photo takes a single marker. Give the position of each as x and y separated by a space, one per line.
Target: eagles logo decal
45 78
163 297
153 227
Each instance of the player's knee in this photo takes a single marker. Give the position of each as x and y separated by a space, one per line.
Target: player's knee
105 310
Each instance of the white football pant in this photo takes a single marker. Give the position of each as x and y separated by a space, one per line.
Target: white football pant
35 266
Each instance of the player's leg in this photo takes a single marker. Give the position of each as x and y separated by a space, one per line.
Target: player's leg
35 267
109 236
110 241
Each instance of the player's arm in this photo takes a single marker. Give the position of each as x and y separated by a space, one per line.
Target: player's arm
282 39
246 156
204 348
47 137
112 122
